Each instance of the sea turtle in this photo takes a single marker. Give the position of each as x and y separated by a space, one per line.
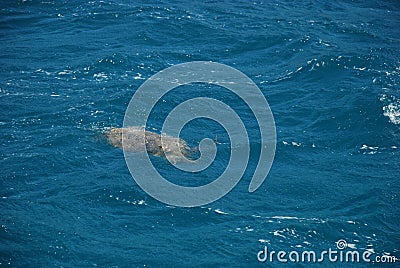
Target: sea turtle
137 139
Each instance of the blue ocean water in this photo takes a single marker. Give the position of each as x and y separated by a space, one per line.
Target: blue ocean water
329 70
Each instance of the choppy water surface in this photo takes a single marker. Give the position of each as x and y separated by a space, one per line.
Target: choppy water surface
330 72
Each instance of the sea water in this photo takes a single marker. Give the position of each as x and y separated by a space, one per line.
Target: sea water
330 72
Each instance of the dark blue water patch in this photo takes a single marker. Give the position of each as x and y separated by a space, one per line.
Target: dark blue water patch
183 93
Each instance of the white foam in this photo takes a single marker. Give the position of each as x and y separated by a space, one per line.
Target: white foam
285 218
100 75
218 211
353 246
65 72
277 233
392 110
